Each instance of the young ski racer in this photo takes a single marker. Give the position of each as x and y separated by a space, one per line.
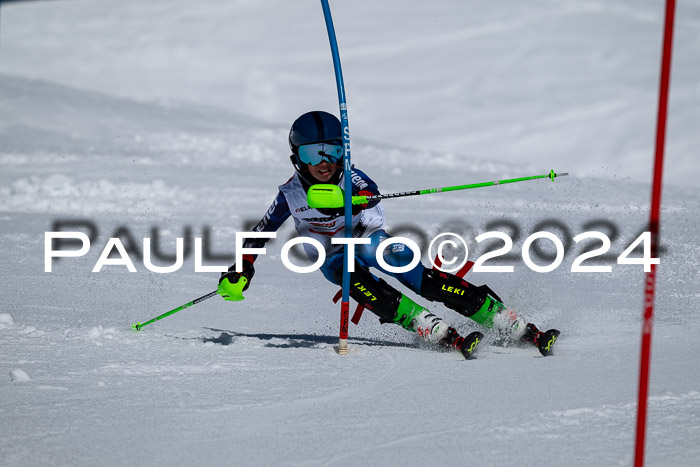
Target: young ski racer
316 143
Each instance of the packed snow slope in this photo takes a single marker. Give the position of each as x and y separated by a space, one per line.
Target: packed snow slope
572 84
258 382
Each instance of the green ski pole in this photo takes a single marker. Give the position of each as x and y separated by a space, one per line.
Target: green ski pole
230 292
330 196
139 326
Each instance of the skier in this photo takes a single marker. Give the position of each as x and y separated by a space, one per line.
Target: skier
315 139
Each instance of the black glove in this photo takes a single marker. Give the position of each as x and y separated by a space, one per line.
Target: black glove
338 212
233 276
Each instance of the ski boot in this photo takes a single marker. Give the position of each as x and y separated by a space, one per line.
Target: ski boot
482 305
391 306
478 303
544 341
414 317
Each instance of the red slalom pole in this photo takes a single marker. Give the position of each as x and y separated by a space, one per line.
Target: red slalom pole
654 220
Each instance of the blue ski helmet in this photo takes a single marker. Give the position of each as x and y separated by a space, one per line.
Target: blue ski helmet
313 127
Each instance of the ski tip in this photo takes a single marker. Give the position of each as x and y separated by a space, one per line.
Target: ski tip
547 341
136 327
471 344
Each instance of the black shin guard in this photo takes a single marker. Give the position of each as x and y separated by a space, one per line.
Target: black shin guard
457 294
374 294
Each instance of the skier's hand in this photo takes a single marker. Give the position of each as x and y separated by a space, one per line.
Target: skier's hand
230 281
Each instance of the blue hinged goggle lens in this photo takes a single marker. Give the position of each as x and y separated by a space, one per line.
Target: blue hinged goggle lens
316 153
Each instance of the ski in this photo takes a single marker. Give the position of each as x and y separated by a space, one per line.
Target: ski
471 344
546 341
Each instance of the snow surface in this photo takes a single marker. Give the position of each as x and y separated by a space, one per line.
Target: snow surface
19 375
174 115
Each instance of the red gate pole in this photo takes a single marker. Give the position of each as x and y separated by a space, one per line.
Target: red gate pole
654 220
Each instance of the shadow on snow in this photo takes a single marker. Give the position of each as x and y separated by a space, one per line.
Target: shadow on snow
295 340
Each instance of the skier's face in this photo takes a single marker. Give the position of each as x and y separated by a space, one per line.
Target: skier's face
324 171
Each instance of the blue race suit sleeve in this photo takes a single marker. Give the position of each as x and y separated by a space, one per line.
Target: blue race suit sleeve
362 185
277 213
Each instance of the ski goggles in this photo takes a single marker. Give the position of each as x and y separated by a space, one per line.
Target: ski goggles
316 153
